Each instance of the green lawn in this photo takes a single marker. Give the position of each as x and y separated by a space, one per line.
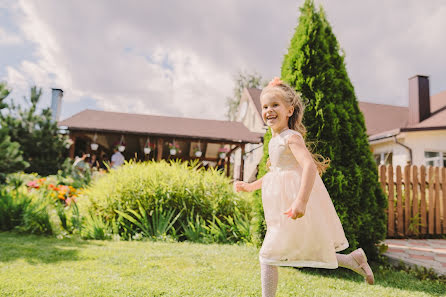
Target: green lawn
44 266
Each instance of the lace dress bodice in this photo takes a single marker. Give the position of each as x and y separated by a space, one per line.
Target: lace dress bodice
280 154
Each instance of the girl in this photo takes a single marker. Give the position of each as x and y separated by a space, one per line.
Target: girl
303 228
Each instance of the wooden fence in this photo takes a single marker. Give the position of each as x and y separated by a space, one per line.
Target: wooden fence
417 201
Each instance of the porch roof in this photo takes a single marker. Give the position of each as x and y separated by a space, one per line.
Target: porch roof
116 122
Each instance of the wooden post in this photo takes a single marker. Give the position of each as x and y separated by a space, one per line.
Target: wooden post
159 146
437 201
399 202
242 161
391 217
73 146
443 191
430 213
423 199
228 164
382 179
415 211
406 199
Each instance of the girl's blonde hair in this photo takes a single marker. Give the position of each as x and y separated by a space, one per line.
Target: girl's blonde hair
289 95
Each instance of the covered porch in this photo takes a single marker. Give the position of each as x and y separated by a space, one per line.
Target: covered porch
147 137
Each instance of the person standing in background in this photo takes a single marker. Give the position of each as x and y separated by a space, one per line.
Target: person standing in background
117 158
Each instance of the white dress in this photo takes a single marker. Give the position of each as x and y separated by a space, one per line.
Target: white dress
310 241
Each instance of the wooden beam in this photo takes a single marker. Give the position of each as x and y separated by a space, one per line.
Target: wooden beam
73 146
228 164
242 161
159 146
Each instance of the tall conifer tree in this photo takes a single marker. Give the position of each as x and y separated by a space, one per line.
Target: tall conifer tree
315 66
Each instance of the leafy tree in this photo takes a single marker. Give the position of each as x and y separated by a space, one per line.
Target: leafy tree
315 66
11 159
242 81
36 132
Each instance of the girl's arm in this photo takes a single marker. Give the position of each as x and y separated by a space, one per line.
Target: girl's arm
248 187
255 185
304 158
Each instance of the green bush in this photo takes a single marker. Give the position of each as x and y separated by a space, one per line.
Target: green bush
131 195
23 213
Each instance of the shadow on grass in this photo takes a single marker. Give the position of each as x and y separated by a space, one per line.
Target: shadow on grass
385 277
39 249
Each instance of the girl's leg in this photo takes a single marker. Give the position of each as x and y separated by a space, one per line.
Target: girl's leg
357 261
269 276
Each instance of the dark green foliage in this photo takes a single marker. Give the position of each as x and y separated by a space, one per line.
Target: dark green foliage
43 147
315 67
19 212
11 159
155 224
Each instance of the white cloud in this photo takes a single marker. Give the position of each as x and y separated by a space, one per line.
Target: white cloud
179 58
8 38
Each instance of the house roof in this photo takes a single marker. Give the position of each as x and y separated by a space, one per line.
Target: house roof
255 96
381 119
105 121
438 101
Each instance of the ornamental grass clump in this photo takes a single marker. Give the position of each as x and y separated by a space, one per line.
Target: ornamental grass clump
131 194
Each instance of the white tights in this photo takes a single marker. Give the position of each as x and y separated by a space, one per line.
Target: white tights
269 274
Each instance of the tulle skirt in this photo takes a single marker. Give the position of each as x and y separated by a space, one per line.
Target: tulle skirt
309 241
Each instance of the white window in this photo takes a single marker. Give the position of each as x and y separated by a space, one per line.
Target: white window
435 159
383 158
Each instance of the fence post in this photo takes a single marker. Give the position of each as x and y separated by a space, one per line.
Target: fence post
406 199
443 192
430 213
437 201
415 211
391 216
399 202
423 199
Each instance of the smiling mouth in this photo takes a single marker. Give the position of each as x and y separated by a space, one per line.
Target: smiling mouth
271 118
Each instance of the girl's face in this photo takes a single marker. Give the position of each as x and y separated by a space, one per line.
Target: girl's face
275 111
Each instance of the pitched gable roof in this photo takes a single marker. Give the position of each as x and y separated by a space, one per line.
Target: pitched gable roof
438 101
380 118
254 93
383 117
105 121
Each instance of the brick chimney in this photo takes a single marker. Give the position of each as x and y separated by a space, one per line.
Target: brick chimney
419 99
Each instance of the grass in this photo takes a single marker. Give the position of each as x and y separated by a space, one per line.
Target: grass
46 266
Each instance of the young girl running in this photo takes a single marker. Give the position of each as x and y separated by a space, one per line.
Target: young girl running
303 229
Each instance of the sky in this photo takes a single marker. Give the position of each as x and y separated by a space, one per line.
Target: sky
180 58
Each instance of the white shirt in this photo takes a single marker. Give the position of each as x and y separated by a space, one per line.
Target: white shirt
117 159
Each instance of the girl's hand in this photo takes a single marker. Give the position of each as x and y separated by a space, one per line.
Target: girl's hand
268 164
241 186
297 210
